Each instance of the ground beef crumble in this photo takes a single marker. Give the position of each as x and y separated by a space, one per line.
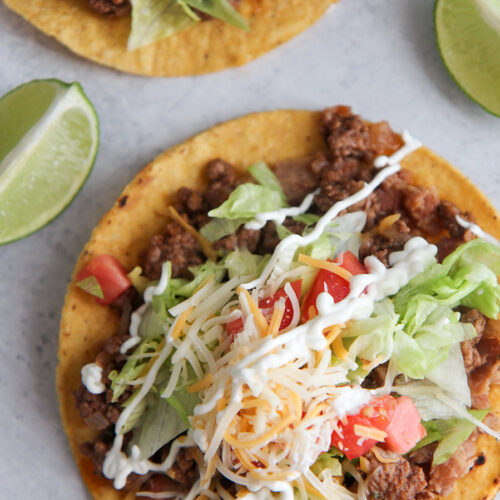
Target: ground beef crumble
347 164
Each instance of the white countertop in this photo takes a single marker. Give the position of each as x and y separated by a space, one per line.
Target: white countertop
379 57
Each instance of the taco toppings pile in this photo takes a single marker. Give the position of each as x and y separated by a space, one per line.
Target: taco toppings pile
318 329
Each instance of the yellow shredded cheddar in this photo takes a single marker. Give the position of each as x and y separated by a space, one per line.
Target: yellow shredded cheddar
364 464
311 312
315 411
221 404
258 317
338 348
331 333
201 384
264 438
382 459
275 323
387 222
369 432
326 265
181 321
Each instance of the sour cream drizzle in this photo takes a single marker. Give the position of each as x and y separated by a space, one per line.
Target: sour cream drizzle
287 245
92 378
475 229
365 290
296 343
279 216
118 466
136 317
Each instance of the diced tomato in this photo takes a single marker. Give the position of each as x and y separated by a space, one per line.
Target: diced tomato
234 327
405 430
110 274
331 283
266 305
377 414
398 418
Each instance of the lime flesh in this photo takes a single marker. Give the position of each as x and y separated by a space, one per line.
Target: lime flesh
468 37
50 136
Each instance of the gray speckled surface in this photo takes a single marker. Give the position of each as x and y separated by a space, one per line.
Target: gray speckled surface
380 57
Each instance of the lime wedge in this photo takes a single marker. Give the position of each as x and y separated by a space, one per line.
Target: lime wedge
48 144
468 37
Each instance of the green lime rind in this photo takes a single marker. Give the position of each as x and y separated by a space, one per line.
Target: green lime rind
49 154
470 51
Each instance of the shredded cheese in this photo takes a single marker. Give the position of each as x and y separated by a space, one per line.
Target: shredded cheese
265 438
275 323
369 432
201 384
364 464
179 324
326 265
339 349
382 459
387 222
258 317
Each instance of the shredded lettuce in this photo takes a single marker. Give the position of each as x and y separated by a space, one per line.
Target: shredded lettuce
450 433
92 286
135 417
139 282
219 228
265 177
429 324
221 9
179 289
327 461
244 263
153 20
372 338
159 425
163 419
133 368
248 200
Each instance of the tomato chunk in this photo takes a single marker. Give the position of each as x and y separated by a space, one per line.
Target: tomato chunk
398 418
110 274
266 305
405 430
377 414
331 283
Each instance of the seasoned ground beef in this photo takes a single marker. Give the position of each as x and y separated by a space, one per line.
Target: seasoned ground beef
472 357
111 8
297 178
394 481
442 477
97 410
175 245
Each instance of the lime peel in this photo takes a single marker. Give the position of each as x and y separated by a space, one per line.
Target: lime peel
43 172
468 39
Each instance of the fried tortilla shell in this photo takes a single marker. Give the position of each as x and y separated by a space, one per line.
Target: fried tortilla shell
203 48
125 230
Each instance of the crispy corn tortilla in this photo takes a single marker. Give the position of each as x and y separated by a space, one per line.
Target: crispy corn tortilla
140 213
203 48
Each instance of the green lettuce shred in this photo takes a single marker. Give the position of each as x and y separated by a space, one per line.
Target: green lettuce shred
132 369
429 325
153 20
450 433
